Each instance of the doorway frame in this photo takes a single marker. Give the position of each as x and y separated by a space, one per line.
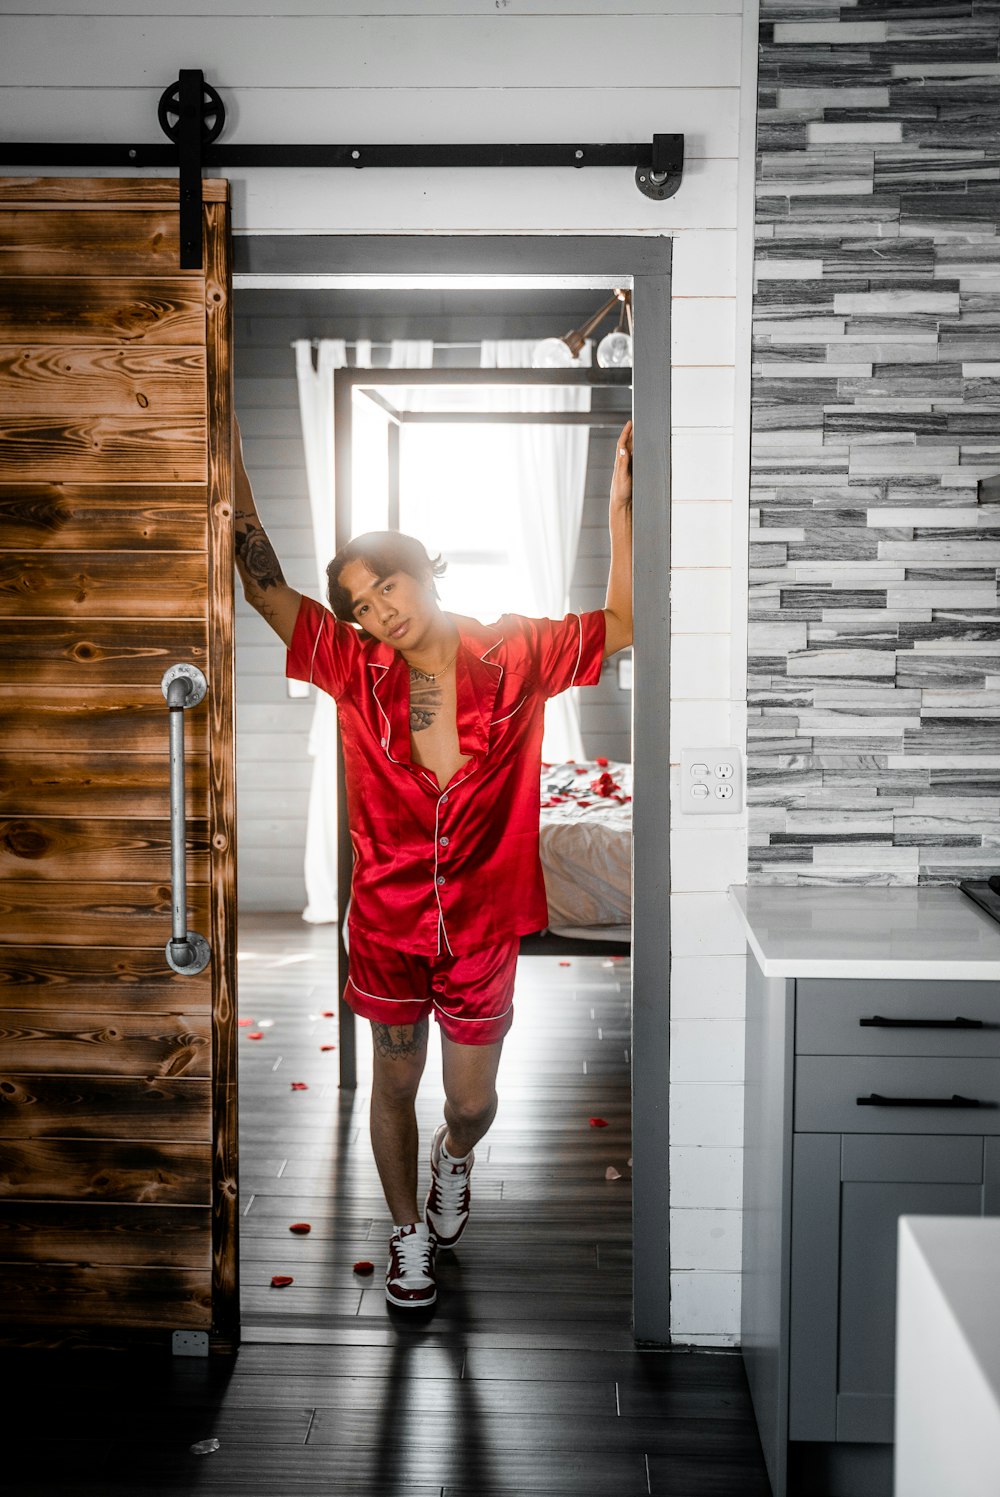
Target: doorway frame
645 260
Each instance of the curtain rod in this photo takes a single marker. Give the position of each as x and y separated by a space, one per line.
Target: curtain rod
375 343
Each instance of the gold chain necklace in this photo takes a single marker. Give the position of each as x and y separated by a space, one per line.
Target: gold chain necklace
429 675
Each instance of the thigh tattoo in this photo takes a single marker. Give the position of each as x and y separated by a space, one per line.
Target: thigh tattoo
396 1041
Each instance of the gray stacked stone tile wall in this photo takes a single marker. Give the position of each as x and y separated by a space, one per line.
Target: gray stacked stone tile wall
874 628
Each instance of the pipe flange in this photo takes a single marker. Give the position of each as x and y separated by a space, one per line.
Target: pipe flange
197 685
657 185
196 947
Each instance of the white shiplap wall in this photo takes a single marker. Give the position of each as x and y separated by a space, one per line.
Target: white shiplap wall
459 70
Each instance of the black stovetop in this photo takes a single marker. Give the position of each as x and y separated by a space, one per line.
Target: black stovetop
985 893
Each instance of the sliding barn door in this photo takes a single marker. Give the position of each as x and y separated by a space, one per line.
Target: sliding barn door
117 1074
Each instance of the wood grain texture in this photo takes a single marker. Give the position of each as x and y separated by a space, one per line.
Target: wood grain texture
88 242
101 979
107 784
104 1233
103 652
51 380
94 720
130 1108
61 1296
71 516
108 1082
101 448
103 914
135 311
168 1174
65 847
102 584
119 192
222 774
68 1044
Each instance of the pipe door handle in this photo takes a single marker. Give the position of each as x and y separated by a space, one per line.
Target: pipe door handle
188 953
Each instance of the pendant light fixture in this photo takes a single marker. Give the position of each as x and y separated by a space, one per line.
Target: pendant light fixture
564 352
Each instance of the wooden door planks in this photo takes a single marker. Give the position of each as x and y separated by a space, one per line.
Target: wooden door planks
115 563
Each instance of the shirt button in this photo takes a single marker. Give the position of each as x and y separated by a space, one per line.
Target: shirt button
444 841
382 742
443 799
440 878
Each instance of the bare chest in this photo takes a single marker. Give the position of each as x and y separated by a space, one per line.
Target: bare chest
434 727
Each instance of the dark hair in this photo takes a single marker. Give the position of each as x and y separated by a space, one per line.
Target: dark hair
383 552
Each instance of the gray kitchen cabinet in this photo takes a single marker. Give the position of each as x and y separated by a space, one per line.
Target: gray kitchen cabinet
865 1101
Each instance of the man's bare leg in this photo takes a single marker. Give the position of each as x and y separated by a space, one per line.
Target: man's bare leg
470 1073
400 1051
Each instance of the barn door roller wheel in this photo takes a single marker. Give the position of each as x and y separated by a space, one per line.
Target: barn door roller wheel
192 116
171 112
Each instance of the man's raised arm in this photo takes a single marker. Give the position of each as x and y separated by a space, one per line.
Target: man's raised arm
264 586
618 604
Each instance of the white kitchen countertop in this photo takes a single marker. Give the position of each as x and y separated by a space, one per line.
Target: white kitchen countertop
869 932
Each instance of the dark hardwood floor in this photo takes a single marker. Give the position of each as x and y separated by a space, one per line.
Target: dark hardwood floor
523 1380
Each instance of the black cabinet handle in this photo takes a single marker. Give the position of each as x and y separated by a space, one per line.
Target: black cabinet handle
959 1023
877 1100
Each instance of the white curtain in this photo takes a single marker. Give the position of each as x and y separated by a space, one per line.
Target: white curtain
549 469
315 382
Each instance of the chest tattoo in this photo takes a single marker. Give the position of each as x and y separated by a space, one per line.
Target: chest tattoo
425 701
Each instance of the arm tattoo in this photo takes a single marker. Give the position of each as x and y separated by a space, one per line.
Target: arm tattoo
397 1041
425 701
256 554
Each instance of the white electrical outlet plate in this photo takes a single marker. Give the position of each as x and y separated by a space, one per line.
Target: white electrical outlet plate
711 781
189 1343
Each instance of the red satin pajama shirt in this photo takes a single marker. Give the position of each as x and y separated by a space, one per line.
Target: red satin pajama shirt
445 881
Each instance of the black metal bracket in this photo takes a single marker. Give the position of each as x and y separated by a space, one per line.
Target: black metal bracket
662 177
192 115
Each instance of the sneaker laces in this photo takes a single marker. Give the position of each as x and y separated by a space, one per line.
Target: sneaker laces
416 1253
450 1181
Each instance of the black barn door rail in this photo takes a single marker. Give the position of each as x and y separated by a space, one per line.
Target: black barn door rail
192 115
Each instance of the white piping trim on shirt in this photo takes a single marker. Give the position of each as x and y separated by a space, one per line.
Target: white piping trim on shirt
579 653
388 728
511 714
442 928
378 997
489 1019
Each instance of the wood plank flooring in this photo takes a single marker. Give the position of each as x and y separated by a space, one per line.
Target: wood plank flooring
524 1379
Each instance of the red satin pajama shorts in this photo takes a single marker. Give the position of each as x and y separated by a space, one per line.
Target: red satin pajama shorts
472 996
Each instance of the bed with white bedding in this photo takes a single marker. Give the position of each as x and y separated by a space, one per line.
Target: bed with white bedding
585 843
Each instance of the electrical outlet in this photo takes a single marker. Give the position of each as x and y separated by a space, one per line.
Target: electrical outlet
711 781
189 1343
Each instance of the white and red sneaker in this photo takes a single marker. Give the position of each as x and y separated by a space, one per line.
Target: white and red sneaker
409 1278
447 1206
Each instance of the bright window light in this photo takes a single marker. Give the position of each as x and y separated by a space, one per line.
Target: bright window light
455 496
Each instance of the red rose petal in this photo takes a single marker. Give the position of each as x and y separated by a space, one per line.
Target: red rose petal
258 1034
565 964
244 1023
601 761
598 1123
328 1047
281 1280
583 802
328 1013
300 1086
301 1227
363 1266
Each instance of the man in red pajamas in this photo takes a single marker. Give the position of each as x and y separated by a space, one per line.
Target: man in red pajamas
441 722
